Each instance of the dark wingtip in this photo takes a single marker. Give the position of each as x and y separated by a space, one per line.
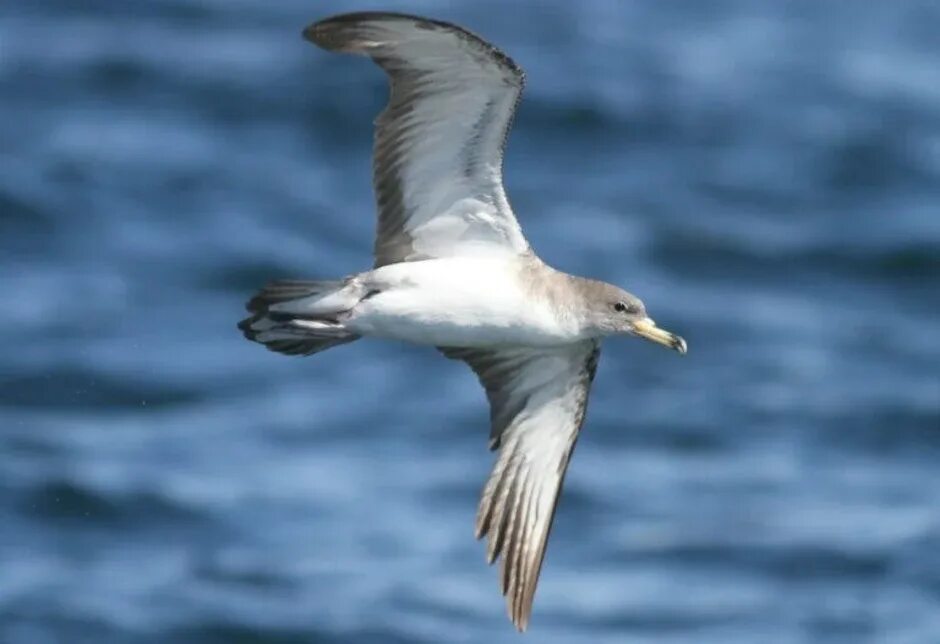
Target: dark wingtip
323 33
319 33
309 32
316 29
333 33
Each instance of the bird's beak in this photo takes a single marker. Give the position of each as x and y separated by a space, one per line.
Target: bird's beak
647 328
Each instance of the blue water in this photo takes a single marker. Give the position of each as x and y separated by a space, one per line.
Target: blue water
766 175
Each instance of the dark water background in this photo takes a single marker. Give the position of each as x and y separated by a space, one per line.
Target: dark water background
766 175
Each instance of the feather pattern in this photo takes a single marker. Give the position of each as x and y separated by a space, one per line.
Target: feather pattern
438 153
538 399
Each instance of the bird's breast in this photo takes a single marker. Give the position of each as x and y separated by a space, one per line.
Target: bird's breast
459 302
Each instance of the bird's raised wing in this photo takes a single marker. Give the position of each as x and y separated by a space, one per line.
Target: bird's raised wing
437 166
538 399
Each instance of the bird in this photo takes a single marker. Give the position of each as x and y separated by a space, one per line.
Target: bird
453 270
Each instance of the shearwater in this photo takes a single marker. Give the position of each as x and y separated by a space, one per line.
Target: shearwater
453 270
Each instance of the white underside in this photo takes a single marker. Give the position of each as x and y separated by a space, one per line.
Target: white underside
466 302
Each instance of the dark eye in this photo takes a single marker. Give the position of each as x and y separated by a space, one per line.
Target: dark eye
620 307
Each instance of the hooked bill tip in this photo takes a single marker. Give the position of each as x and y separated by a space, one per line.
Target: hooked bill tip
678 343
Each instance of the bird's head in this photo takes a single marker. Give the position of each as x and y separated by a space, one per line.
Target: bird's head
613 311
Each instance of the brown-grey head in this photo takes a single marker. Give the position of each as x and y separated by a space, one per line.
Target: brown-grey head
614 311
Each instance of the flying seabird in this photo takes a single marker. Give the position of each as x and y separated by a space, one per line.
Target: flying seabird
453 270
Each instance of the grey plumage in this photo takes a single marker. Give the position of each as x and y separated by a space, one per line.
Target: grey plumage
451 104
452 268
518 504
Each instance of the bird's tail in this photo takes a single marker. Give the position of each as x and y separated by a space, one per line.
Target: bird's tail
300 317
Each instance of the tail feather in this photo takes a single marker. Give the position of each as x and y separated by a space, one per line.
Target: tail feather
294 317
287 290
303 347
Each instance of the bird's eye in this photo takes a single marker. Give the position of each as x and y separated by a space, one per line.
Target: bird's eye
620 307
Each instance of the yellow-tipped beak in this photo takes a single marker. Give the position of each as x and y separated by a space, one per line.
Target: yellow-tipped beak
646 328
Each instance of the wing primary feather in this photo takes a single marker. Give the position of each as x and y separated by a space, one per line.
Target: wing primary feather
520 536
437 175
439 142
538 400
340 33
502 514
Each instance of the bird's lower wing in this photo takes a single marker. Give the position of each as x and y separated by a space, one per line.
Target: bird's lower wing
538 399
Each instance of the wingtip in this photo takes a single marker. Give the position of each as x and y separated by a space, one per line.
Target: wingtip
327 33
519 617
344 33
309 32
322 34
336 32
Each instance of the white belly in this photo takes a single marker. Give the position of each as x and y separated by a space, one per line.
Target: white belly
469 302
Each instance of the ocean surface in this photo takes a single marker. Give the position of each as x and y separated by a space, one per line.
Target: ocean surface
765 175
